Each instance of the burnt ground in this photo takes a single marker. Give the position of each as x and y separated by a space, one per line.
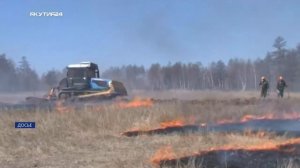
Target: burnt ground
287 127
284 155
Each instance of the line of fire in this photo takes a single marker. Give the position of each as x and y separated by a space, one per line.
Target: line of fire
264 155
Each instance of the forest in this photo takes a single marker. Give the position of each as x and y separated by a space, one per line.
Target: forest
236 74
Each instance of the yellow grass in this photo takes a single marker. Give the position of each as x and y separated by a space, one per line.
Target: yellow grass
90 137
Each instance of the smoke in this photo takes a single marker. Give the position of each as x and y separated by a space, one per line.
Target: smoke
155 31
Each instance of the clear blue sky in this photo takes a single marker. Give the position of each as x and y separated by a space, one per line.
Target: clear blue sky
142 32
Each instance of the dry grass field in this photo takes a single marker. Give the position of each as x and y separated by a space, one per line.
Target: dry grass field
89 135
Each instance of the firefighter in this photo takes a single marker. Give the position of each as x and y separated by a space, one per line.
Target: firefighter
281 85
264 86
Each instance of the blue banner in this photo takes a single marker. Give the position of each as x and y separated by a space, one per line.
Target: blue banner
24 124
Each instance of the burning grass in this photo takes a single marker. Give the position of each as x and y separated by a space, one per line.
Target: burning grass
89 134
137 102
288 124
212 145
260 155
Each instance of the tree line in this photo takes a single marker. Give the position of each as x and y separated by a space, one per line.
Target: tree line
22 77
236 74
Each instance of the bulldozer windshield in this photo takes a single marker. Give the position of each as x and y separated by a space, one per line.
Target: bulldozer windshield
76 72
81 72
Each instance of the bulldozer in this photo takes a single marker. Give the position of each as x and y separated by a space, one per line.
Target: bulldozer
83 82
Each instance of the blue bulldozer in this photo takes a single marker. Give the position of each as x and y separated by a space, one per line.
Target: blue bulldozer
83 82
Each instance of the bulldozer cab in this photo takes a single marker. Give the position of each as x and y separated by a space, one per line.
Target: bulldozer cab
79 75
84 69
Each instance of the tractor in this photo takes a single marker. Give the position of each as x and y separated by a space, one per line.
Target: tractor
83 82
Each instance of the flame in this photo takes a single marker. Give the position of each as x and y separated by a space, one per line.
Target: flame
288 146
265 146
268 116
181 121
172 123
185 124
253 117
164 153
163 125
137 102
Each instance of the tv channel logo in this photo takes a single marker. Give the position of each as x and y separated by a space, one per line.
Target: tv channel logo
46 14
24 124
